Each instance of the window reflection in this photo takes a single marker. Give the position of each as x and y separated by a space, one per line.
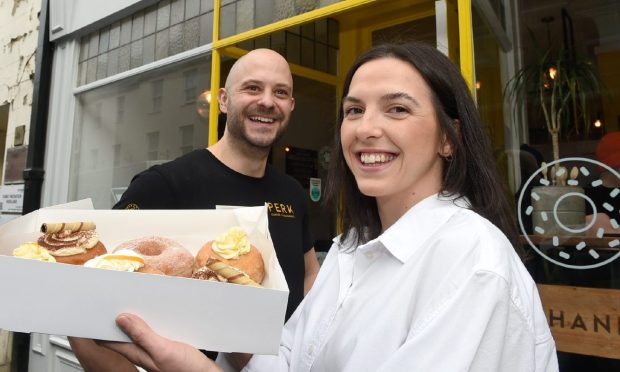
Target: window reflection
125 127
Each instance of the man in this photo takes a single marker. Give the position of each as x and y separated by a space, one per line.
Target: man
258 100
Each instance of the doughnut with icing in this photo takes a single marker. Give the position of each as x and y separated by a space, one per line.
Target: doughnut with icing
72 247
234 249
162 254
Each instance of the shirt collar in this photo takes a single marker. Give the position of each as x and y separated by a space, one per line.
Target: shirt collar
413 229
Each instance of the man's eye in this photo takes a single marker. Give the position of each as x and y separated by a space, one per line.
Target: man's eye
281 93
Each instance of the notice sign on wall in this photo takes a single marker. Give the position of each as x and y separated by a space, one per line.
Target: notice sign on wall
12 198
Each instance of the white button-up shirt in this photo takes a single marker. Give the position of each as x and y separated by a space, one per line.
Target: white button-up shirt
440 290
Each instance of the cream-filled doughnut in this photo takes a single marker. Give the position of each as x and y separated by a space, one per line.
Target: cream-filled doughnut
71 243
163 254
233 248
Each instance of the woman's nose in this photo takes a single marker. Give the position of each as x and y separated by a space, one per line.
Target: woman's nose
370 125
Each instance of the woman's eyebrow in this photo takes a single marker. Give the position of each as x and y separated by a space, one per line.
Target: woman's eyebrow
400 95
351 99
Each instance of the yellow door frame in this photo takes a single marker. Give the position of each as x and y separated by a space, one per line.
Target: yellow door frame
351 42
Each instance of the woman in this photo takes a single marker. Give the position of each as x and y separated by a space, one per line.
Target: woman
420 279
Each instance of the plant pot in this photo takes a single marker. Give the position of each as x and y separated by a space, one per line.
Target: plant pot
558 210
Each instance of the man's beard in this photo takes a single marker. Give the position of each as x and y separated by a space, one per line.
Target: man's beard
237 129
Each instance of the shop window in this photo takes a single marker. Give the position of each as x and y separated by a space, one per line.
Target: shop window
244 15
149 133
313 45
160 31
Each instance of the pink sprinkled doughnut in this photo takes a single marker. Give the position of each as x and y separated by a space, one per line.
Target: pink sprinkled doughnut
162 254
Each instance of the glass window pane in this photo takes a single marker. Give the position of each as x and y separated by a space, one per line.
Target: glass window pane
104 39
137 26
177 11
175 39
102 66
191 34
115 35
126 31
227 21
113 62
161 44
84 44
163 15
149 49
245 15
206 28
192 8
93 46
136 54
307 53
206 6
150 20
118 135
91 70
293 48
264 12
124 58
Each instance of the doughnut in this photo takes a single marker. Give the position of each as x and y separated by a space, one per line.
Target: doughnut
234 249
162 254
72 247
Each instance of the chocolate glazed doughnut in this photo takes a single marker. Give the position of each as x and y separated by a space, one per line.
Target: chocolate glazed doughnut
71 243
163 254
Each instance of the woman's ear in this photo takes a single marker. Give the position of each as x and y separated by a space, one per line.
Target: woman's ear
447 147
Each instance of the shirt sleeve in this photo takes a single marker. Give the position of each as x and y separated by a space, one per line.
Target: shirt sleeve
477 329
148 190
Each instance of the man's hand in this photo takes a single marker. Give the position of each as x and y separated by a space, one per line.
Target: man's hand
154 352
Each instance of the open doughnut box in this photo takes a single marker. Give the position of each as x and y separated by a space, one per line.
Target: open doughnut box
71 300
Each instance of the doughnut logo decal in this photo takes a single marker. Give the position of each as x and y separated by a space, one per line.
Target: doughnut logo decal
582 254
132 206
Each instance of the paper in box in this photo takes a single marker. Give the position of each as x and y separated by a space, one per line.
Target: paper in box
73 300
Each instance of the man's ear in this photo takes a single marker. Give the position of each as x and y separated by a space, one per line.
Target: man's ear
292 103
222 100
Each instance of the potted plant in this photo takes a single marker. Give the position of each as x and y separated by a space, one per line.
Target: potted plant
565 87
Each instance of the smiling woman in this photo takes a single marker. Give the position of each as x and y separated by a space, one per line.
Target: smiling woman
390 137
419 266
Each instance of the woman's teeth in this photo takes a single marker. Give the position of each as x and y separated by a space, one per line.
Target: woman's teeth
375 158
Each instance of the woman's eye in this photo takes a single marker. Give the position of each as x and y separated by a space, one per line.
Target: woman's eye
398 110
352 111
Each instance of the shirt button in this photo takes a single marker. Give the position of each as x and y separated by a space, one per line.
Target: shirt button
370 255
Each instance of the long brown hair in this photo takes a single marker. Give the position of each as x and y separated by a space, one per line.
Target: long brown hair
471 172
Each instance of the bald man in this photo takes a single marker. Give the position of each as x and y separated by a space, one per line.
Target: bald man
258 100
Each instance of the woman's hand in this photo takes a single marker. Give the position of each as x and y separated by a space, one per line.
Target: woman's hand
156 353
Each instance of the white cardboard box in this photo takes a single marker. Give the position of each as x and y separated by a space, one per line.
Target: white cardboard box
72 300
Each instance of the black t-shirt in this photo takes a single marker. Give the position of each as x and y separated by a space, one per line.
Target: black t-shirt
198 180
